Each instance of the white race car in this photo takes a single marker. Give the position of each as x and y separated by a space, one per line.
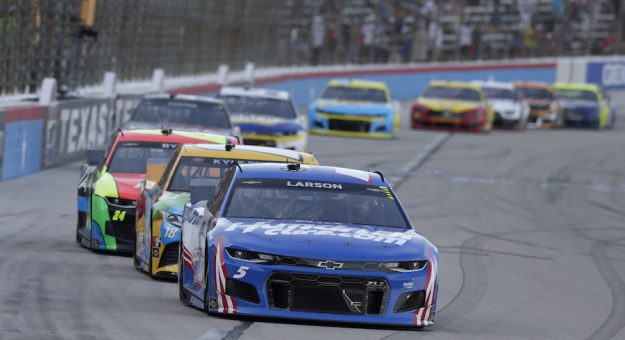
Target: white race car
511 110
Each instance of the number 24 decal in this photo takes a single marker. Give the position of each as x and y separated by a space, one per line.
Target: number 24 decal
119 215
241 272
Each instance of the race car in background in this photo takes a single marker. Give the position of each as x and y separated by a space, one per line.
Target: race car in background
584 105
354 108
160 205
265 117
109 184
307 242
511 111
182 112
543 105
452 105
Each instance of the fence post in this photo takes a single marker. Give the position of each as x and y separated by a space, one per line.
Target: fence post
158 80
48 92
108 84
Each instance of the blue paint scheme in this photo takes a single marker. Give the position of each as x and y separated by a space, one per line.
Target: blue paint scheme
580 114
351 109
608 74
22 148
83 204
285 126
96 235
306 239
178 210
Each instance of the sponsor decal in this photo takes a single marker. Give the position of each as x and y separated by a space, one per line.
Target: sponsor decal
329 264
335 230
606 74
73 127
316 185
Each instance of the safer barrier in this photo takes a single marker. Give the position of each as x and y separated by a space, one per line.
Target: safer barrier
33 137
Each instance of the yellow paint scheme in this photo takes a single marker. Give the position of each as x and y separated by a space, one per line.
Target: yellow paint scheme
209 137
105 186
450 105
352 134
212 151
362 118
277 139
458 106
362 84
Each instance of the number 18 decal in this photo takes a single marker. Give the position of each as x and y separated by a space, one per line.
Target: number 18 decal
241 272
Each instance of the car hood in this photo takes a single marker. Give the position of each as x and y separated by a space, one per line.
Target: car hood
329 241
504 105
352 107
186 127
128 185
448 105
265 124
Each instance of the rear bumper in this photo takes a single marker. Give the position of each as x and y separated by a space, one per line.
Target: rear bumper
112 227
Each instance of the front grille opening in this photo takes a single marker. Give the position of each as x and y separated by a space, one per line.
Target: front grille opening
349 125
319 299
327 294
410 301
374 302
242 290
170 255
279 294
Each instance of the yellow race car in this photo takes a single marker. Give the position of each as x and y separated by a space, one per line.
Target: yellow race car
452 105
161 204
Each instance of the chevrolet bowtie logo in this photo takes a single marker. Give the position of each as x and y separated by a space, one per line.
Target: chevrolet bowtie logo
330 265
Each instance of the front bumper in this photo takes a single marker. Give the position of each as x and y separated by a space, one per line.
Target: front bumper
541 119
439 123
165 248
113 226
295 142
345 125
321 294
575 118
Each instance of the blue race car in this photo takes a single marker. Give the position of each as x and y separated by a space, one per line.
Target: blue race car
585 105
306 242
354 108
266 117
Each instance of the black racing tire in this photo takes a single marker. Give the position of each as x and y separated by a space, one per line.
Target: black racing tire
150 252
136 261
78 236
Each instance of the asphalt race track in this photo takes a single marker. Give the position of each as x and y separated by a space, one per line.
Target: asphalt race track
530 226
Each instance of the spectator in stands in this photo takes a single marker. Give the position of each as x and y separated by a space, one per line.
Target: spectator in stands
318 34
465 40
406 32
368 31
331 41
435 37
529 41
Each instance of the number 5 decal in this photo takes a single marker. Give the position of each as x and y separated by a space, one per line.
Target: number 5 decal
241 272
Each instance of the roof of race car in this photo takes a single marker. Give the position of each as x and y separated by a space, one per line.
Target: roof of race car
186 97
493 84
533 85
311 173
360 83
171 136
577 86
456 84
254 92
247 152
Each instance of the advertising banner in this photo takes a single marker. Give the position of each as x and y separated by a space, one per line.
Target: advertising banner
609 74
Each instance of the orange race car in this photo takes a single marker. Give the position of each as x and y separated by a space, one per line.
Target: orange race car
543 104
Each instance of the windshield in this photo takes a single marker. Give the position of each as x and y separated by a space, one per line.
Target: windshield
196 168
454 93
182 112
354 93
260 106
498 93
536 93
582 95
132 157
315 201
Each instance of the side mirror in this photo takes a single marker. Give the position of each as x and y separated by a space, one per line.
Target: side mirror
95 156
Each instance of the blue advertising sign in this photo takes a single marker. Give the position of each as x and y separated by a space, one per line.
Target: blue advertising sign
609 74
